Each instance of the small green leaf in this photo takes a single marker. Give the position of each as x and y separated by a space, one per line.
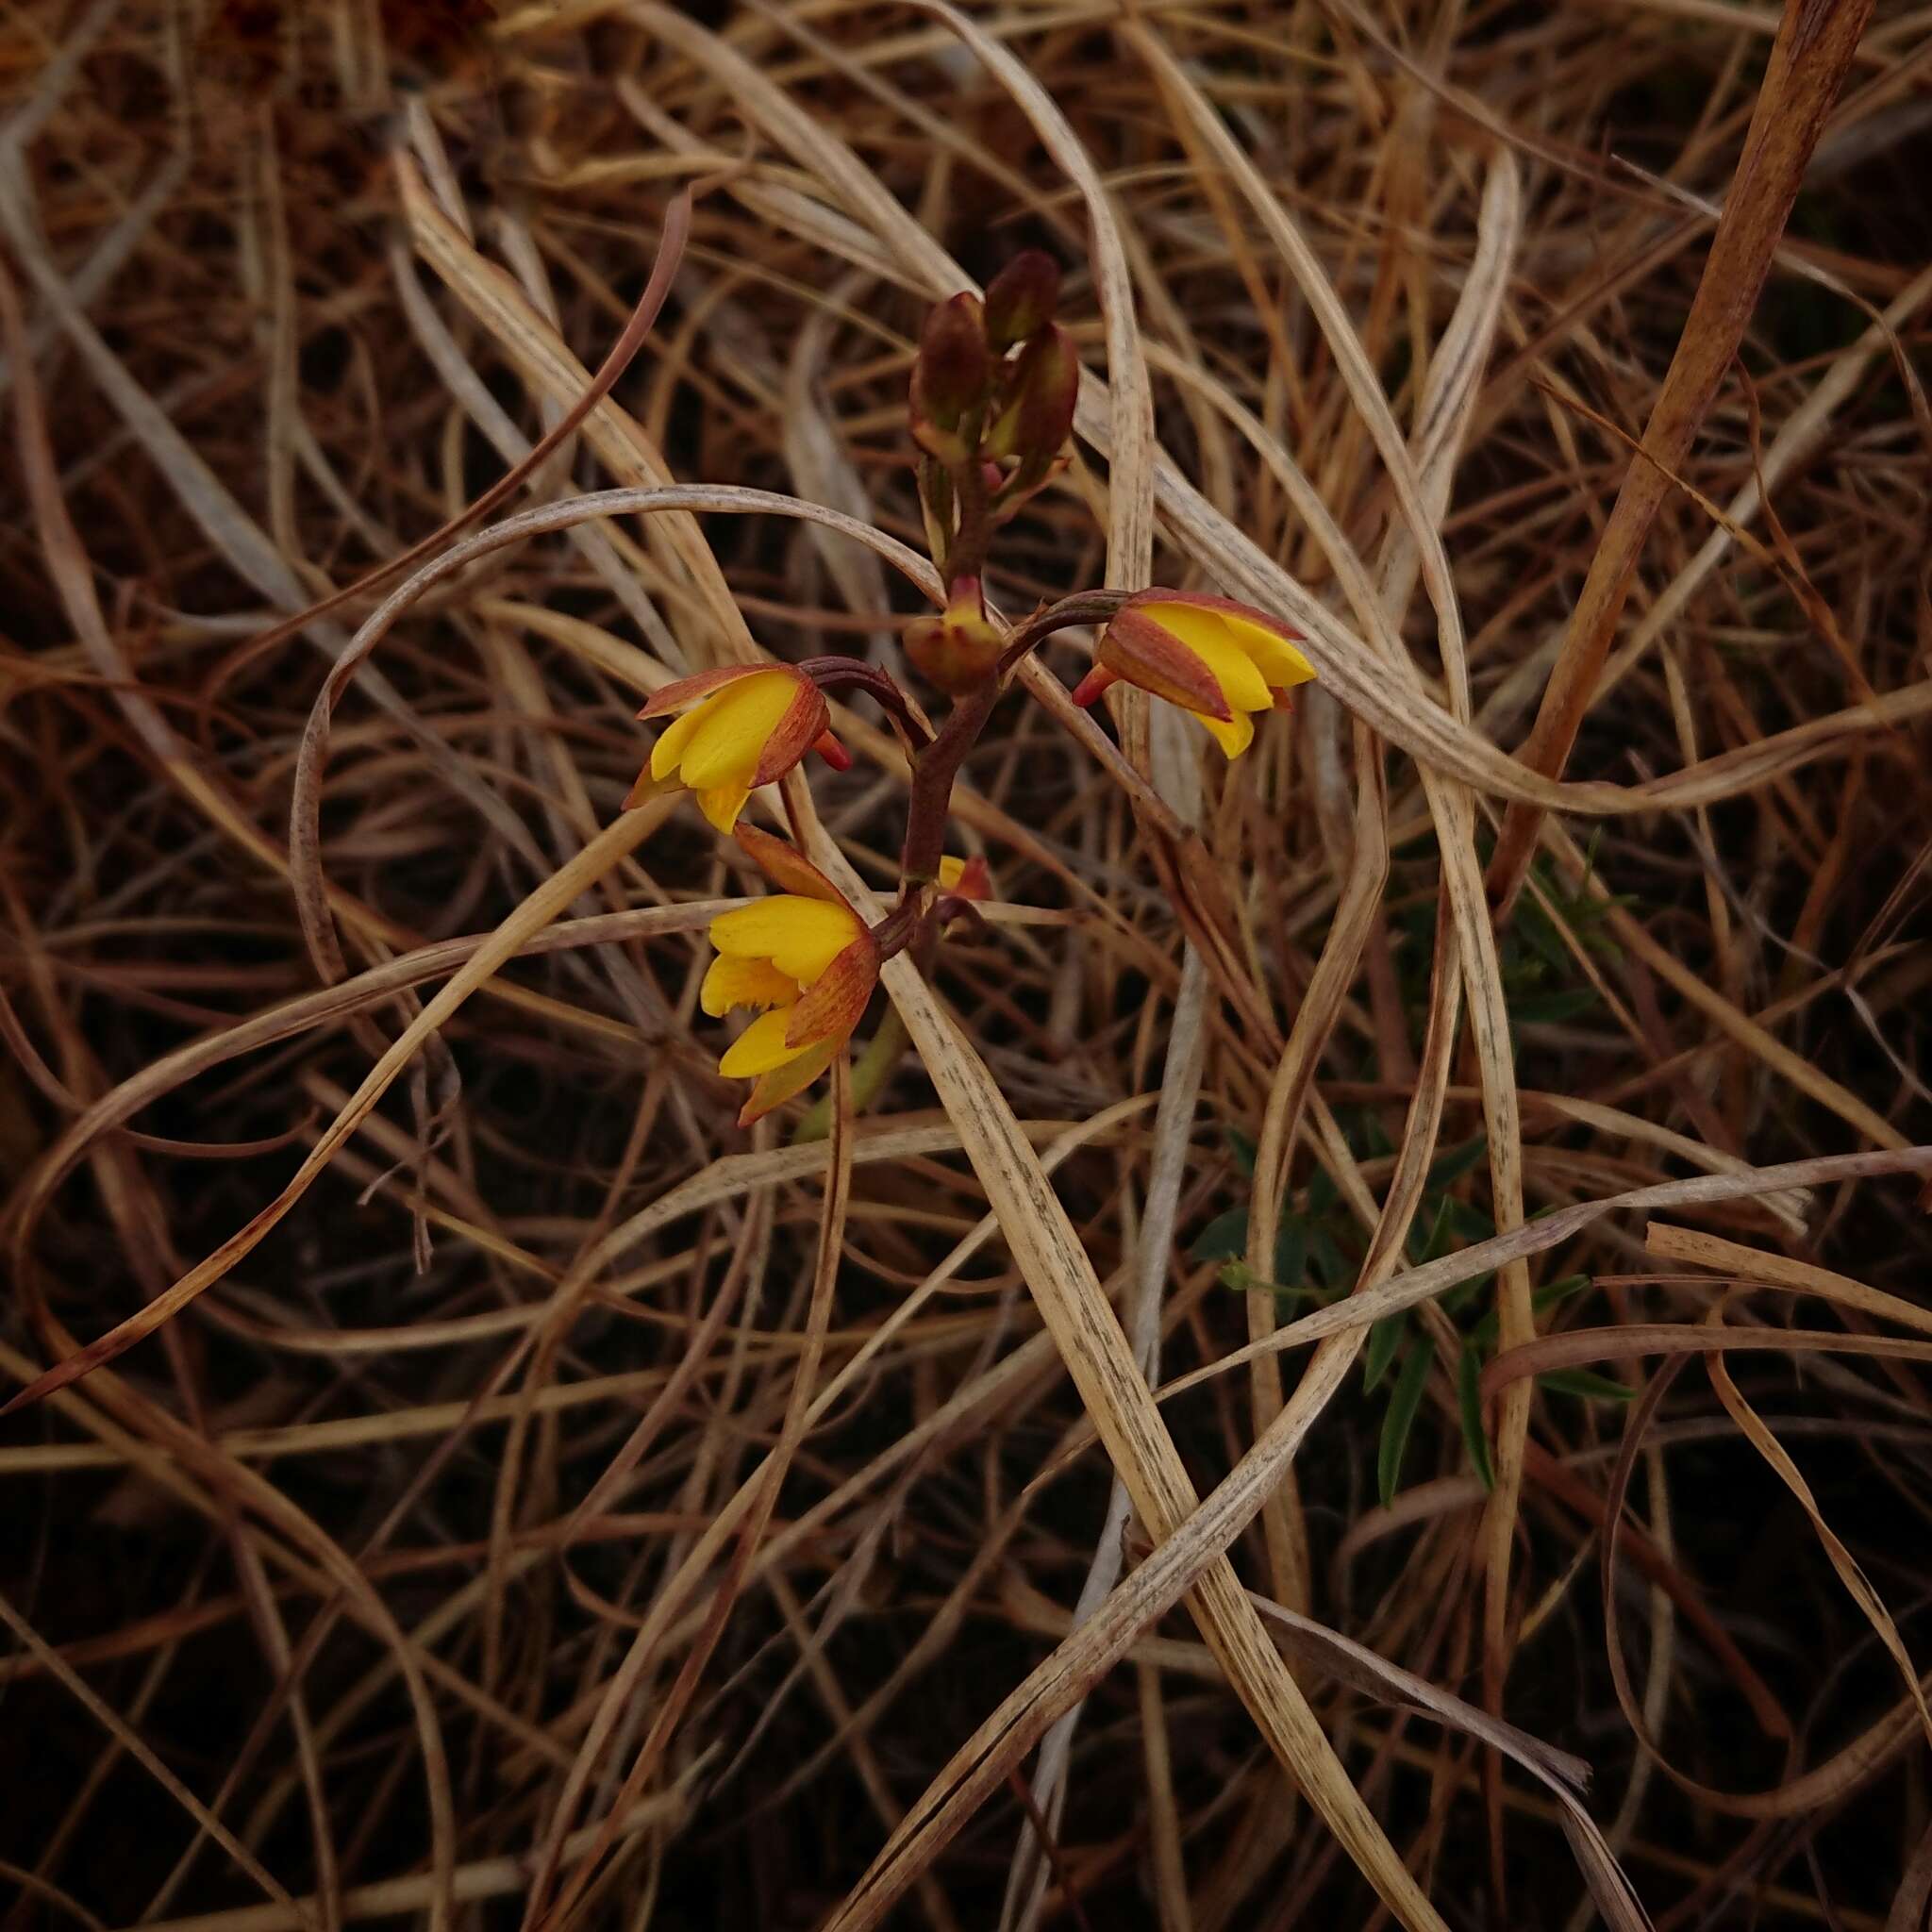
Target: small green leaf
1457 1298
1596 839
1586 1383
1224 1238
1243 1150
1426 1248
1385 1338
1291 1250
1484 1333
1403 1403
1548 1008
1553 1291
1243 1281
1450 1167
1539 932
1327 1257
1470 1403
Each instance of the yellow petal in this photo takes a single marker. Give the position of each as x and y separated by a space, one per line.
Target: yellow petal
733 727
1236 673
778 1086
743 983
1279 661
1233 738
950 871
760 1047
722 804
800 936
672 740
1211 639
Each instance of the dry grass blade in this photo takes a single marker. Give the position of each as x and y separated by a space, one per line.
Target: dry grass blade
1781 1271
1085 1329
480 1878
137 1749
1854 1578
544 1910
1431 1278
1815 43
536 912
1746 1265
1563 1777
1450 806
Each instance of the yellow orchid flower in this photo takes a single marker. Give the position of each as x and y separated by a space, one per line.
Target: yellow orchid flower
746 725
1217 658
804 957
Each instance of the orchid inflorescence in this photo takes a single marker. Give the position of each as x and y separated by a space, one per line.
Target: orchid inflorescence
994 388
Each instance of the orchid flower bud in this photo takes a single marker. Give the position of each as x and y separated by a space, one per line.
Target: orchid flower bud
950 378
957 650
1020 299
1043 388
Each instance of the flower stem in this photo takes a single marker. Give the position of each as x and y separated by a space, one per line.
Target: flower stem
1083 607
836 674
933 773
870 1072
936 766
965 555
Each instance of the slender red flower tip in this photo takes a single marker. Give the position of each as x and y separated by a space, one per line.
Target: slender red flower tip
832 752
1089 688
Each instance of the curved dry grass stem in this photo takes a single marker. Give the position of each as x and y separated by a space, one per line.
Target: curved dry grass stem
1808 61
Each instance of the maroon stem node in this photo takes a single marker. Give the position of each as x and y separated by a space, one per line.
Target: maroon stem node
833 674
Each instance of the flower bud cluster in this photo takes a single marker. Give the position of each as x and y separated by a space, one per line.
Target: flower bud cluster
993 388
994 382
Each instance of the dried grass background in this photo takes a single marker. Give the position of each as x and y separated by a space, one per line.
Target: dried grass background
531 1500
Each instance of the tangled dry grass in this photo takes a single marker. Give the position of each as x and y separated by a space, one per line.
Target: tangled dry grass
532 1499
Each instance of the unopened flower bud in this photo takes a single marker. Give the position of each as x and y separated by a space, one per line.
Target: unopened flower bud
951 376
1044 387
966 878
957 650
1020 299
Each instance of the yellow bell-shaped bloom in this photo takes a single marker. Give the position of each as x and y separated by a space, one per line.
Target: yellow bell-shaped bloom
1217 658
805 958
745 727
